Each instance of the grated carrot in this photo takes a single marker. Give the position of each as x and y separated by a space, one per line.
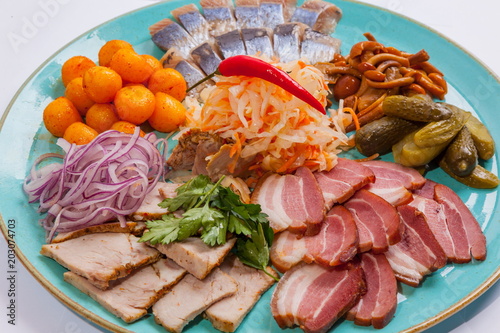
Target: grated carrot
354 117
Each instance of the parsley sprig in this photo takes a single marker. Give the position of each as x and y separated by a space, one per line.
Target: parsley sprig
212 210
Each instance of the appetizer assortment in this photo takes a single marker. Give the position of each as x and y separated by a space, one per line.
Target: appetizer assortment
256 192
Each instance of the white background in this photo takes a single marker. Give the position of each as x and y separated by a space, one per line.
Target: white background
475 26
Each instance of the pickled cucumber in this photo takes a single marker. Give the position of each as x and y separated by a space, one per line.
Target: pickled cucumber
439 132
407 153
380 135
481 137
479 178
461 154
415 108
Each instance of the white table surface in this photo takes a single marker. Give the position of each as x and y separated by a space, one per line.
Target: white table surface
473 26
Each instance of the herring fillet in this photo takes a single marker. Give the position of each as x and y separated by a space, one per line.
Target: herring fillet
132 296
190 297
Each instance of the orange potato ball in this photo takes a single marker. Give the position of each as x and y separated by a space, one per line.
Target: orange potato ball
101 116
77 95
126 127
168 114
79 133
107 51
131 66
169 81
134 103
101 84
152 61
75 67
59 114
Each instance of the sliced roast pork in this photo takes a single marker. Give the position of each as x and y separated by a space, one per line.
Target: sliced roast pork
418 253
378 305
314 297
130 298
149 208
190 297
335 244
102 257
343 180
195 256
393 181
458 218
293 202
377 221
135 228
227 314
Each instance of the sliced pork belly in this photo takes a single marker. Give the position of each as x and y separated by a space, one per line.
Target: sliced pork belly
343 180
198 258
314 297
418 253
378 305
436 219
393 181
464 228
102 257
135 228
288 250
377 221
190 297
227 314
335 244
337 241
293 202
132 296
149 209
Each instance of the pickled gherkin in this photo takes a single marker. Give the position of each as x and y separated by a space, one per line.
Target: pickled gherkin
415 108
380 135
481 137
479 178
461 154
439 132
407 153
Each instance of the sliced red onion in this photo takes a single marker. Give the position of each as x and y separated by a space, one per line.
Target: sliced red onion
105 180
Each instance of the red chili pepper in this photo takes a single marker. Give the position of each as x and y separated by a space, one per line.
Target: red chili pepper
254 67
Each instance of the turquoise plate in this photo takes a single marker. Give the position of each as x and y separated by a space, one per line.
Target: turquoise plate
448 290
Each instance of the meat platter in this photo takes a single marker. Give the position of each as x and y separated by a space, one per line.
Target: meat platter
466 286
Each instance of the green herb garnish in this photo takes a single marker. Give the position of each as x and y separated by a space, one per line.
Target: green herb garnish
212 210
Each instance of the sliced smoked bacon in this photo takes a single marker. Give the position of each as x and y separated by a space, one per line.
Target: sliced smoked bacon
393 181
451 222
418 253
343 180
377 221
458 218
314 297
378 305
294 202
335 244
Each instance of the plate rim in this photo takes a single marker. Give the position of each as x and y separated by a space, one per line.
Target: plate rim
97 319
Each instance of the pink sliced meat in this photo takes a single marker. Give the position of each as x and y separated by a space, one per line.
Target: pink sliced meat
335 244
342 181
293 202
378 305
314 297
337 241
393 181
377 221
461 221
418 253
436 219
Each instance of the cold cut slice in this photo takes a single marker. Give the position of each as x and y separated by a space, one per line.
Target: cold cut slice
314 297
378 305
